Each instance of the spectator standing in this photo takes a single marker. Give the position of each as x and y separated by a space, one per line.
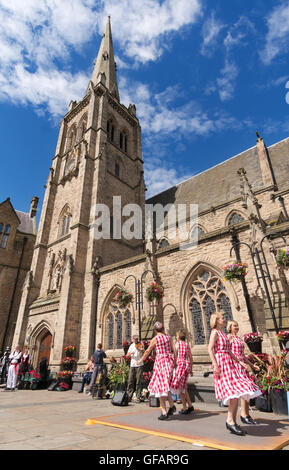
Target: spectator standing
15 358
135 352
98 356
87 377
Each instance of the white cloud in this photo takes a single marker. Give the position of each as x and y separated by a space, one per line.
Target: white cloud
37 38
278 33
210 33
141 26
165 124
238 32
226 81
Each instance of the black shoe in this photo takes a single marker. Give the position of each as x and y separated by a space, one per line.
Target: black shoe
191 409
172 410
248 420
235 429
164 417
80 391
184 412
241 429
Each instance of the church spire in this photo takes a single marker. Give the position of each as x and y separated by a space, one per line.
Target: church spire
105 63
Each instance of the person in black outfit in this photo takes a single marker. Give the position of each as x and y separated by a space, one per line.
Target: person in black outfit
98 356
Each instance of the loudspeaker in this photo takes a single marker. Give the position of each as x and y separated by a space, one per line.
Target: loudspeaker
53 385
154 402
120 399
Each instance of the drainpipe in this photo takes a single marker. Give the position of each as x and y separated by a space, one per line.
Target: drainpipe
94 323
25 239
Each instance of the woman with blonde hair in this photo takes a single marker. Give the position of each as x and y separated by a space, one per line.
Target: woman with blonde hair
238 348
229 384
181 373
160 383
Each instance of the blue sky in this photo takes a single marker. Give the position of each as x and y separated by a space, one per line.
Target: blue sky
204 75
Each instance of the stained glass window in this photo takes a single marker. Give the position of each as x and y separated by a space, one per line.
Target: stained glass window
207 295
196 311
119 331
110 328
127 331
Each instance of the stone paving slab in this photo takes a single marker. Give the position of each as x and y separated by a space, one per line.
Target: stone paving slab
58 419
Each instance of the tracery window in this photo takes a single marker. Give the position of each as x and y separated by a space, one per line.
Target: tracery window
4 234
207 295
64 221
235 219
117 327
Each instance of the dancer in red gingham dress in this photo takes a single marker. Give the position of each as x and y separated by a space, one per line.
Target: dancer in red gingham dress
238 348
160 383
230 385
182 372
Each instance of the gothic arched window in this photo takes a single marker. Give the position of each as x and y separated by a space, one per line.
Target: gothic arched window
207 295
235 219
163 243
117 327
64 221
123 141
110 127
196 232
71 137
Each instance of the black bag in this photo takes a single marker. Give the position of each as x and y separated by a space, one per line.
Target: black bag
120 399
154 402
53 385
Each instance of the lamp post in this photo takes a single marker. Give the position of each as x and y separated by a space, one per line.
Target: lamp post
235 246
139 295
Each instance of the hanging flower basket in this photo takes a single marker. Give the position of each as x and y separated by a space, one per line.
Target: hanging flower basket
68 363
283 337
282 259
123 298
235 271
69 350
254 342
155 292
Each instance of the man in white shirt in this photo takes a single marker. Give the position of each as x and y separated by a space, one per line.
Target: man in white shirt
15 358
135 352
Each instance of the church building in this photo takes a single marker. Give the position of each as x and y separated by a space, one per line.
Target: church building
243 206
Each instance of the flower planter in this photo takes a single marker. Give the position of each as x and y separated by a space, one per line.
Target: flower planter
255 347
279 402
263 403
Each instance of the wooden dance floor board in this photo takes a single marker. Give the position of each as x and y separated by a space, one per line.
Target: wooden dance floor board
203 428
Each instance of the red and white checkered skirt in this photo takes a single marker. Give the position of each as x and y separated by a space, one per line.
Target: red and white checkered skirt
231 384
238 349
183 369
160 383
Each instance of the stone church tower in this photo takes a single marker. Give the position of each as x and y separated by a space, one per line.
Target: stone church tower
98 156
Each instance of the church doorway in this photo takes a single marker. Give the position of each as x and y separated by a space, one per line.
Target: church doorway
44 347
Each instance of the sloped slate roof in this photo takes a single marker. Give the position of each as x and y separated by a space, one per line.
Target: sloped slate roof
221 183
26 222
